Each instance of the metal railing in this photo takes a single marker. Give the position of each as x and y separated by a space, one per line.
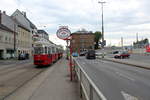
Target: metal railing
88 89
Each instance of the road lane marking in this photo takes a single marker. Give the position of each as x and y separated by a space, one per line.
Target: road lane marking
83 63
128 96
125 76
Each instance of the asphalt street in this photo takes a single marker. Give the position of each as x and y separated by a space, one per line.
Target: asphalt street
15 62
118 81
14 74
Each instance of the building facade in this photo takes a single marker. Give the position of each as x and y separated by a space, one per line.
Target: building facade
82 40
43 34
16 33
25 31
7 31
6 43
24 43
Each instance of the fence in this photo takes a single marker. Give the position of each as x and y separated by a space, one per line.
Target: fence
88 90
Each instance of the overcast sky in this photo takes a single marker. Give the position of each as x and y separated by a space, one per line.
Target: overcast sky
122 18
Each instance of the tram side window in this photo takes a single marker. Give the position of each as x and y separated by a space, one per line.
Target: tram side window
38 50
46 50
53 51
49 50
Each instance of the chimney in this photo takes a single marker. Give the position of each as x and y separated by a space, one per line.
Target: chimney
24 14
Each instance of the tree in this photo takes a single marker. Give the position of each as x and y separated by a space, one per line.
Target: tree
146 41
141 43
98 36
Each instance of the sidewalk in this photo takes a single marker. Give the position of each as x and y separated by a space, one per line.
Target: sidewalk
53 84
129 62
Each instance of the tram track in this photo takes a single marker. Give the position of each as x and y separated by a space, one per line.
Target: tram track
12 69
14 77
4 67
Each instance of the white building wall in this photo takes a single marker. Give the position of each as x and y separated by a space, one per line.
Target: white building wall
6 42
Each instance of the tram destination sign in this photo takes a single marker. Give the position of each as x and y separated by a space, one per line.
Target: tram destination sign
63 32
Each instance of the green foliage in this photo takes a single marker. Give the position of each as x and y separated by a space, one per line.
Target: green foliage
98 36
141 43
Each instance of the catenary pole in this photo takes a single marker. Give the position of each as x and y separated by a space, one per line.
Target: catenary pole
102 2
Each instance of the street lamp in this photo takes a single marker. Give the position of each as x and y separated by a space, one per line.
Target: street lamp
103 41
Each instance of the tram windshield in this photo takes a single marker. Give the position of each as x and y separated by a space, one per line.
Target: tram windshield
38 50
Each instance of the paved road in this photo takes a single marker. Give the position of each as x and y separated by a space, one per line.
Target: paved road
11 61
118 81
52 84
15 74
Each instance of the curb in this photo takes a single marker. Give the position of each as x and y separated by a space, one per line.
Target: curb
131 64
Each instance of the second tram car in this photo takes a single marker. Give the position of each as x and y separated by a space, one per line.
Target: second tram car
46 53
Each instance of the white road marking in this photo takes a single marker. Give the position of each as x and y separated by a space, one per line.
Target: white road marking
83 63
125 76
128 96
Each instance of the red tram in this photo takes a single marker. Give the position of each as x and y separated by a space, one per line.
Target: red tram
46 53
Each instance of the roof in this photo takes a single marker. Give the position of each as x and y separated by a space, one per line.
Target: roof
31 24
42 31
5 28
83 31
20 25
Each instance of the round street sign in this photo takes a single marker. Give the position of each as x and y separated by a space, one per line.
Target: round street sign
63 33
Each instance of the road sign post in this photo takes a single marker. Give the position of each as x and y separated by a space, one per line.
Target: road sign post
64 33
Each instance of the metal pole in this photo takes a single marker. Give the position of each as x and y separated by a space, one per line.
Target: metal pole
14 40
122 42
67 50
102 24
71 70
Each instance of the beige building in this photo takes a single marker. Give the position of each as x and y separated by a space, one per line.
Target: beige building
24 29
24 41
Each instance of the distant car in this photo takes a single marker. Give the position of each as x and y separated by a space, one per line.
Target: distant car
75 54
90 54
98 54
83 53
115 52
21 56
122 54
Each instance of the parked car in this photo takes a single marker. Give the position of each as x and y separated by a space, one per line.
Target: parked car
21 56
90 54
75 54
83 53
122 54
26 56
115 52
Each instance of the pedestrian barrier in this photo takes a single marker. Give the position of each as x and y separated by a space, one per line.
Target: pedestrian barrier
88 89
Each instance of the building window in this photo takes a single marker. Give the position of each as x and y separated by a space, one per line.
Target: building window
1 37
9 40
82 41
6 39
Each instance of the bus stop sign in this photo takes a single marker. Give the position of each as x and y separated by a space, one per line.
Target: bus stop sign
63 32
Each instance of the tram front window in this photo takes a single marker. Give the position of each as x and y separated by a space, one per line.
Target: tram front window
38 50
